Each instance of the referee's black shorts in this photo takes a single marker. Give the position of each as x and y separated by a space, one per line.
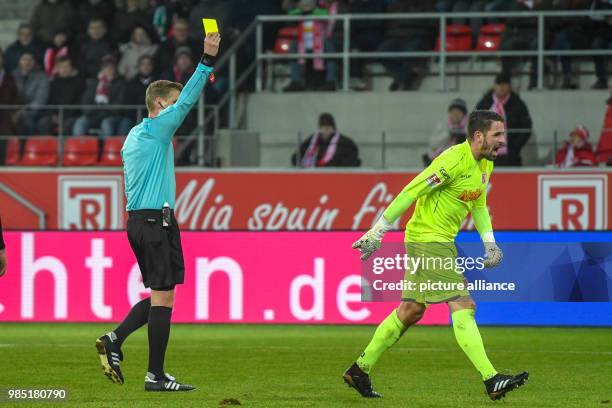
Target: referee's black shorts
157 249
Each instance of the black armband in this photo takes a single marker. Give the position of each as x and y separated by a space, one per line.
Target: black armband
208 60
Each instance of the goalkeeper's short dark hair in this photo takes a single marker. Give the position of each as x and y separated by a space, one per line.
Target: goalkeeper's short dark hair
481 120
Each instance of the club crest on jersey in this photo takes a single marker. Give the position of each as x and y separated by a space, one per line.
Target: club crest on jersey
484 177
433 180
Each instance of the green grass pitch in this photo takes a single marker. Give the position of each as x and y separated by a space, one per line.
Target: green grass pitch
301 366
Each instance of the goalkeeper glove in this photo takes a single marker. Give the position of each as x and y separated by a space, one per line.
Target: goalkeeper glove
370 241
493 254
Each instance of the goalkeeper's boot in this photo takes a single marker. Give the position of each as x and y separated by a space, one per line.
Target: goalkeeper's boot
359 380
110 355
165 383
498 386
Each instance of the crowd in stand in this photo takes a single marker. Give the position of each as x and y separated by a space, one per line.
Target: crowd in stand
105 53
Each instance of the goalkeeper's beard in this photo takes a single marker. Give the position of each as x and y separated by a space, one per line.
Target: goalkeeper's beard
487 150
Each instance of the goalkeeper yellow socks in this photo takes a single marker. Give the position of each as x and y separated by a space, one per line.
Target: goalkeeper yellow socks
386 335
468 337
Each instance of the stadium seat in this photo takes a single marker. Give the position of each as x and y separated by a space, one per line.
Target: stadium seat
458 38
40 151
111 152
490 37
12 151
80 151
284 38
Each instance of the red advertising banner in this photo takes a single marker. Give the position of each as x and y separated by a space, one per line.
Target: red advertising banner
294 201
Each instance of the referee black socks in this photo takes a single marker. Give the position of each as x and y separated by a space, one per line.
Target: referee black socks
159 332
136 318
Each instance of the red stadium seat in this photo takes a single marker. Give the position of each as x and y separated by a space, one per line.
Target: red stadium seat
111 152
284 38
490 37
458 38
12 151
40 151
282 45
80 151
289 32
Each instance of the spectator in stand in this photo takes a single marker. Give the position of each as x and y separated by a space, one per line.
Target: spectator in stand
217 9
181 72
503 100
469 6
8 96
65 88
127 17
604 146
95 46
25 43
327 147
571 33
450 132
366 35
576 152
602 39
522 34
140 44
107 89
136 88
313 37
408 35
61 47
51 16
164 57
93 9
33 91
183 66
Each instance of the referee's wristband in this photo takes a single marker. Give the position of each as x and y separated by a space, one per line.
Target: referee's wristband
207 60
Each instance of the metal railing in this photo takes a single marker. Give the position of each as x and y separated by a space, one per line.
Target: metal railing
347 55
203 147
540 149
40 214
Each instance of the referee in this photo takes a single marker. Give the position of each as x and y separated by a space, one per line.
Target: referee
150 188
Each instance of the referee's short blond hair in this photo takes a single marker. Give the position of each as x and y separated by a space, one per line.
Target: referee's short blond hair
160 89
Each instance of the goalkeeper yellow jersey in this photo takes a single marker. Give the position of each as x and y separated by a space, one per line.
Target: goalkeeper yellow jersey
454 184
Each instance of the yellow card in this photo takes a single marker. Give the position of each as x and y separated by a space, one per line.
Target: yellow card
210 25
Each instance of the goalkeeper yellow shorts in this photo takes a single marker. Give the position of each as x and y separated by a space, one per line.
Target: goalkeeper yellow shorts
433 276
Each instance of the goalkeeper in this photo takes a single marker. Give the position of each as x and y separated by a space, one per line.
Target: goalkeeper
454 184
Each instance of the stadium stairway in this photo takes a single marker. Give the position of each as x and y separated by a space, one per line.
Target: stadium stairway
13 12
408 119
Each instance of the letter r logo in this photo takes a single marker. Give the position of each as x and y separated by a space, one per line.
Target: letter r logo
90 202
573 202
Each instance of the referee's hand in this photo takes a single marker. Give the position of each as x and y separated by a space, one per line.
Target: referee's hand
211 44
2 262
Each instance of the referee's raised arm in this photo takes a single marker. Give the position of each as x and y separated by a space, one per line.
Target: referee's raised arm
171 117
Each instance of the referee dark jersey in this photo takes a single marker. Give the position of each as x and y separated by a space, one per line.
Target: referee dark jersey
148 165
